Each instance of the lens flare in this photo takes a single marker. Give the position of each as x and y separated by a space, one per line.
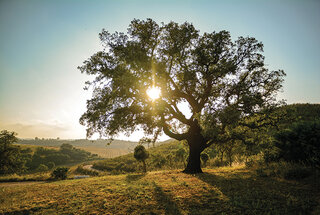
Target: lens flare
154 93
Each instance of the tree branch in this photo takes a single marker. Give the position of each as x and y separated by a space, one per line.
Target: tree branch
167 131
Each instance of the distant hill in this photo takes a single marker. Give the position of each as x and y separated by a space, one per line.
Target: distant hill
100 146
100 143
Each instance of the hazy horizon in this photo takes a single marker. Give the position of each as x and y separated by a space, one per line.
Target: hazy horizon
43 42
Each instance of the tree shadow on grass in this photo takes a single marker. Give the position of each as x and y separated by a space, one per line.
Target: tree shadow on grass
134 177
165 200
249 194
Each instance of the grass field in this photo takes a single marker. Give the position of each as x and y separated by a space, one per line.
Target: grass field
104 152
218 191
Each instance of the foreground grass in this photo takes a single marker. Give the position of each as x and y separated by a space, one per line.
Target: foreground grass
218 191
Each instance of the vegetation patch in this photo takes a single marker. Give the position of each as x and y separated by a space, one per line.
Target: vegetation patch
217 191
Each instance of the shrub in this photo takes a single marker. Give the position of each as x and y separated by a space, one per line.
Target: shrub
60 173
158 161
301 143
42 168
216 162
204 158
141 154
51 165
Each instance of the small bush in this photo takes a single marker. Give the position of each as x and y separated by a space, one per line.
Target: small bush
204 158
60 173
51 165
141 154
42 168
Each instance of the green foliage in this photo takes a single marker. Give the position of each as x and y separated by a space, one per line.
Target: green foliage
181 155
51 157
60 173
11 160
217 162
221 80
158 160
141 154
300 143
51 165
122 164
42 168
164 156
204 158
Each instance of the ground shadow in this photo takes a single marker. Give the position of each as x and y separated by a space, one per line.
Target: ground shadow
255 195
165 199
134 177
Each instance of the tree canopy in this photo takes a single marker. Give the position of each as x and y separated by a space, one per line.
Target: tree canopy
10 156
222 81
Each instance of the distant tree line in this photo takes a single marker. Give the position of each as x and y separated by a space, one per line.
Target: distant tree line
290 133
14 159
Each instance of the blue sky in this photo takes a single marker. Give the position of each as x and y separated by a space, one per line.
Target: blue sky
42 42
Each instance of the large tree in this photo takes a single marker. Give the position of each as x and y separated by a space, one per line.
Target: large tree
222 82
11 160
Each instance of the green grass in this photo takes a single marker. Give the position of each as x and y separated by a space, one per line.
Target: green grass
45 176
25 177
226 190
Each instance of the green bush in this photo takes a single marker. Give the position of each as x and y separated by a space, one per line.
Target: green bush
158 161
141 154
300 143
60 173
42 168
204 158
51 165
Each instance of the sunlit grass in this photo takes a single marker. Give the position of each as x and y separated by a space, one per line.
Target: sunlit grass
218 191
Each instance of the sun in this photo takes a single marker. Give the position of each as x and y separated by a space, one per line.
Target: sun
154 93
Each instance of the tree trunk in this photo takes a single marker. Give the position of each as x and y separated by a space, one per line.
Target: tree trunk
196 146
144 166
230 160
221 158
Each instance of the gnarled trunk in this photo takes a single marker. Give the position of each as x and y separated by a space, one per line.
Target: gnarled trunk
196 145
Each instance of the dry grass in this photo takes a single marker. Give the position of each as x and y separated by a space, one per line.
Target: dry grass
218 191
104 152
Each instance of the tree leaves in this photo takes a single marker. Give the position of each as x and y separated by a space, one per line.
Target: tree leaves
208 71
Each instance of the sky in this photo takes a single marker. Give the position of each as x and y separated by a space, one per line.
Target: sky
42 43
